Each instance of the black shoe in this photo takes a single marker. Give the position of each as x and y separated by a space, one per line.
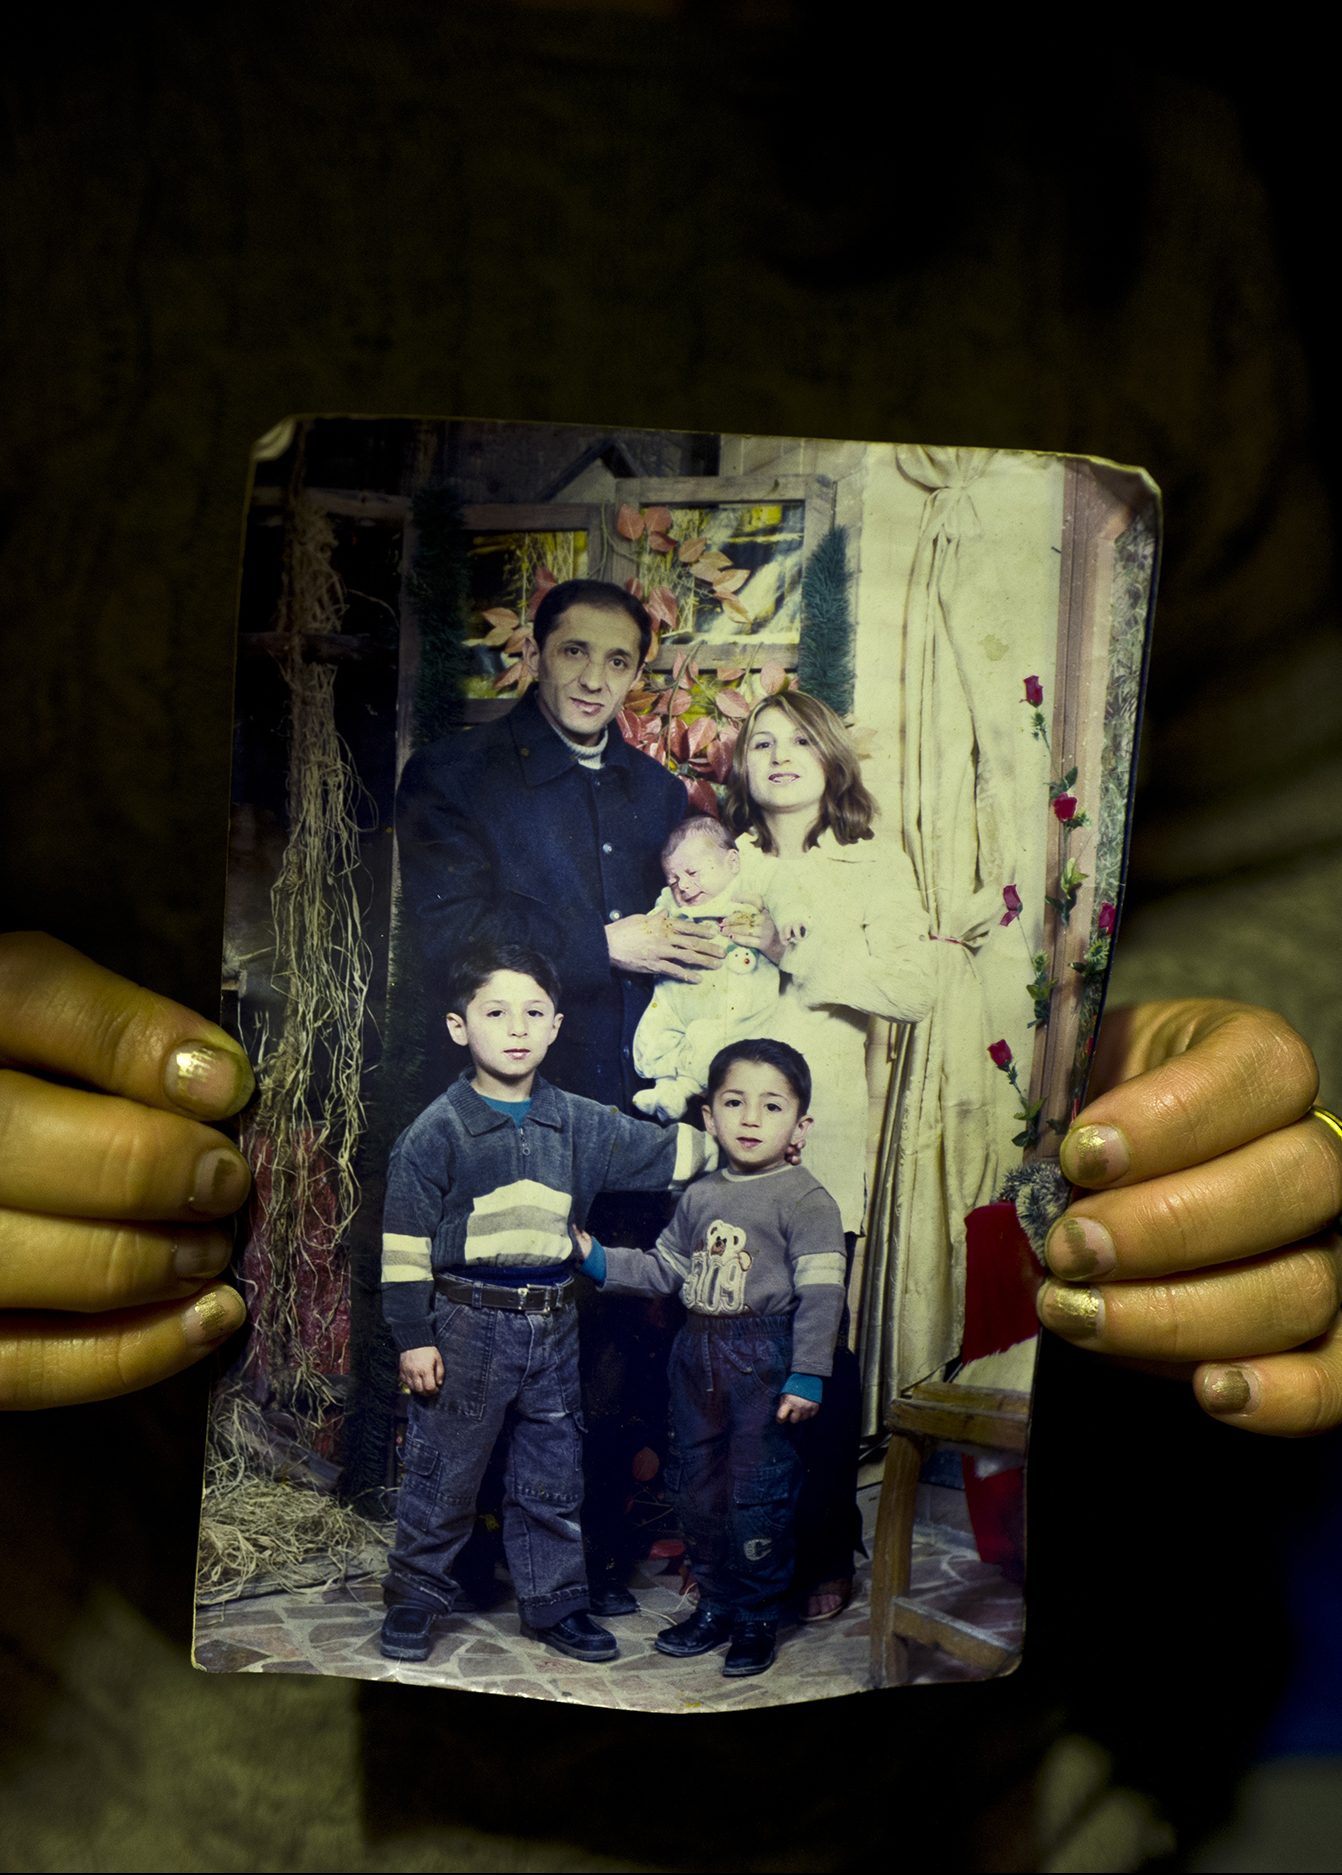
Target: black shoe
705 1630
753 1649
407 1632
578 1636
610 1598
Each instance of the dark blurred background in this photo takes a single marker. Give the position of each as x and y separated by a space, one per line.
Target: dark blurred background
749 217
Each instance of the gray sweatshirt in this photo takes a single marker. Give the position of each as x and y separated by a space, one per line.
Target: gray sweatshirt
763 1243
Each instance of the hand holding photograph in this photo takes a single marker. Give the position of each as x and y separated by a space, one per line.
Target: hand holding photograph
672 887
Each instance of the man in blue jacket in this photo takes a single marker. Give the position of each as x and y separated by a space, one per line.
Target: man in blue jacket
544 828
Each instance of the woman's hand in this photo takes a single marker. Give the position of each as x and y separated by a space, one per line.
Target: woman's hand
751 926
107 1197
1205 1236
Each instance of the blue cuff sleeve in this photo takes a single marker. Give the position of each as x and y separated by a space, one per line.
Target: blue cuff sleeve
595 1265
805 1386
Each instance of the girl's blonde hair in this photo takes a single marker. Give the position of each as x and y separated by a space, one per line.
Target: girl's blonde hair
846 809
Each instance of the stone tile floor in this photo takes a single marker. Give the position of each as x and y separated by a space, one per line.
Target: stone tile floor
335 1630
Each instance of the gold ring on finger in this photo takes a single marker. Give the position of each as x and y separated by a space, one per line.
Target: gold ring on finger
1330 1120
1334 1125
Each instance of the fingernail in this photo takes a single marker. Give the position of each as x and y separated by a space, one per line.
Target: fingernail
1095 1155
205 1079
221 1182
1077 1314
204 1253
213 1317
1231 1390
1077 1247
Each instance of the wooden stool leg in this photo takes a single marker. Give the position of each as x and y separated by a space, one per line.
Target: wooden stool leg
892 1559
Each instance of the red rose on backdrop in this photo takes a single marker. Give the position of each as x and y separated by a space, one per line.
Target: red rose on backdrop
1065 806
1001 1054
1107 919
1012 900
1034 692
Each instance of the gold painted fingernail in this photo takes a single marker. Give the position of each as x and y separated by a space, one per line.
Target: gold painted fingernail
1077 1314
221 1182
1230 1390
1078 1247
1095 1155
206 1080
213 1317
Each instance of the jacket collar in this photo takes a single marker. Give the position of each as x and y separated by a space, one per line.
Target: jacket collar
541 754
477 1116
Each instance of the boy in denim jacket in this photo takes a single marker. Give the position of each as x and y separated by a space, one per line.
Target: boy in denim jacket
477 1289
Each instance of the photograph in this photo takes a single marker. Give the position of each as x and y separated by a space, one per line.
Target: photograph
672 886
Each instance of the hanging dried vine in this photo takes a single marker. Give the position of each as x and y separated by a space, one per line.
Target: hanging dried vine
309 1116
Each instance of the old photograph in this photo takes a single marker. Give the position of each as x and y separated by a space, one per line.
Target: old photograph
672 884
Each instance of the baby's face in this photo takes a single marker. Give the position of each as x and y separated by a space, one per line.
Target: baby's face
699 869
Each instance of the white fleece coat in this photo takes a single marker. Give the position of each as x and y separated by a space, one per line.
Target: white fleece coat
866 952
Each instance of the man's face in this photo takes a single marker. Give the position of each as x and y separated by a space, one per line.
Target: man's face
699 868
508 1026
585 669
755 1117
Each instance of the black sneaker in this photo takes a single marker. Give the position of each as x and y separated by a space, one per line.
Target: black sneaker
705 1630
610 1598
578 1636
407 1632
753 1650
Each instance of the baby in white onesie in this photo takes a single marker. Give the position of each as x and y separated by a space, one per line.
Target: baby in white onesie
686 1024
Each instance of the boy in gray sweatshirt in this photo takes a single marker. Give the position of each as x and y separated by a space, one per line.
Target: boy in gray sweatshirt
756 1253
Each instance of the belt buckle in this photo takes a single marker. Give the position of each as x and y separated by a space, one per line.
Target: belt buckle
522 1295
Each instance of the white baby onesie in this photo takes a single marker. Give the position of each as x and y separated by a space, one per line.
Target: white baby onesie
685 1024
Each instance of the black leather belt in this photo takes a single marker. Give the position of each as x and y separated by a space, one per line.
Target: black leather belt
531 1299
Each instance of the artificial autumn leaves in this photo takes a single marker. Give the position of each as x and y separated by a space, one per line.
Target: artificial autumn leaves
708 564
690 723
510 632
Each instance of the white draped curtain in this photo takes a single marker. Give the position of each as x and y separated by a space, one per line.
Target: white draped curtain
938 1154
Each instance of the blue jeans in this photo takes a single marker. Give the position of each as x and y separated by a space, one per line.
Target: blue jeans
503 1372
731 1466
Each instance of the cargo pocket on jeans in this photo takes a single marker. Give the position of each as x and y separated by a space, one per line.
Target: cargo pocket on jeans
419 1474
761 1505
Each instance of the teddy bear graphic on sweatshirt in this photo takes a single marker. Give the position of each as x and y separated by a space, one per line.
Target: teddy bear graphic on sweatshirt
717 1279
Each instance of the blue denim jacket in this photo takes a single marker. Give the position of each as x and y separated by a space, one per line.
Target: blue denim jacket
472 1193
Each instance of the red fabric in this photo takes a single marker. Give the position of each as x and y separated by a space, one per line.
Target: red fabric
997 1515
1001 1278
